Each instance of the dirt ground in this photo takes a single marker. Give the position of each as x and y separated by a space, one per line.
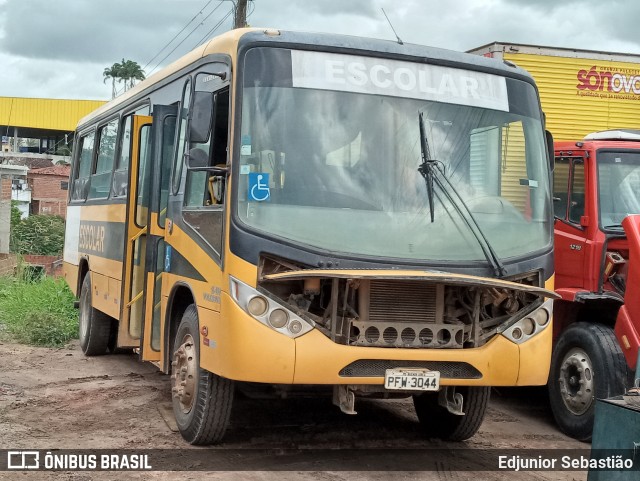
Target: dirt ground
58 398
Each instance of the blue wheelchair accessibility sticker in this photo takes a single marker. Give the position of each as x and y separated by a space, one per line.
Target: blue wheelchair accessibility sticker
259 186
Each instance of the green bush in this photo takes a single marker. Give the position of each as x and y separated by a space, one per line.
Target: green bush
37 312
16 218
39 234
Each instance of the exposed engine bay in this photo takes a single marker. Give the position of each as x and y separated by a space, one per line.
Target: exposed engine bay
423 309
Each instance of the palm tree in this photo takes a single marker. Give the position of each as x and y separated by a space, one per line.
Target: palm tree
131 71
114 73
126 71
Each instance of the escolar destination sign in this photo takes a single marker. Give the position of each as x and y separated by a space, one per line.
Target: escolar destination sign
352 73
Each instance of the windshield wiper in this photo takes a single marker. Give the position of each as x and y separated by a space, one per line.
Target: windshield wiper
613 227
428 166
432 171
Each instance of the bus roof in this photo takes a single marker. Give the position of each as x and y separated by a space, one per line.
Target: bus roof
229 43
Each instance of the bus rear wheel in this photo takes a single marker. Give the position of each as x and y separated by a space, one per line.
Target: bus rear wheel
587 364
436 420
201 400
94 325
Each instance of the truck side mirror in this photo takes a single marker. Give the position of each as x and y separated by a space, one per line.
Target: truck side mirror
550 151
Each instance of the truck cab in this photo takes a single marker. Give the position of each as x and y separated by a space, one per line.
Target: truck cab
596 198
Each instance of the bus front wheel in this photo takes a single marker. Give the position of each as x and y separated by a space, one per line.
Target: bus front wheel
437 421
94 325
201 400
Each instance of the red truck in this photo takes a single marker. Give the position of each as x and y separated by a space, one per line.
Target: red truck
597 272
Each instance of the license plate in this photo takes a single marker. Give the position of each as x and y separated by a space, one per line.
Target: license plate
412 379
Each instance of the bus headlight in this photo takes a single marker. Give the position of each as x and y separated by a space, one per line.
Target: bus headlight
295 326
278 318
541 317
268 311
530 325
257 306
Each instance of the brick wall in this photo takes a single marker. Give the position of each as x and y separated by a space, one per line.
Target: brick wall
51 264
5 188
47 195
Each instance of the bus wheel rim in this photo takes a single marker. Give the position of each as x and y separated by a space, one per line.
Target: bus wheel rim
183 376
576 381
84 315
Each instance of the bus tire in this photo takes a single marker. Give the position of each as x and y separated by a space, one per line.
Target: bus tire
436 421
201 400
587 364
94 325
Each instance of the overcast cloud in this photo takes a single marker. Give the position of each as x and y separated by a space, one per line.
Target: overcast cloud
60 48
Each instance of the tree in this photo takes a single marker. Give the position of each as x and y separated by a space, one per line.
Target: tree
16 218
114 73
39 234
131 71
127 72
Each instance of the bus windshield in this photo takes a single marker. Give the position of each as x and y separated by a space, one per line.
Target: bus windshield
619 186
334 165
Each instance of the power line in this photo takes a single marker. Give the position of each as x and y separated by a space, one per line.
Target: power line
215 27
182 41
177 34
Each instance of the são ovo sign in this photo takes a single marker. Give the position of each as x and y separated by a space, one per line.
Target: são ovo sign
623 81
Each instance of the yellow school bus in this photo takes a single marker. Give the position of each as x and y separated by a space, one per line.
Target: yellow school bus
288 211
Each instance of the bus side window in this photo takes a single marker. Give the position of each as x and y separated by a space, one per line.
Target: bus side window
100 184
120 176
204 189
181 137
121 173
83 167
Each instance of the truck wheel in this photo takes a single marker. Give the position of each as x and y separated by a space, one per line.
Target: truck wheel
437 421
587 364
201 400
94 325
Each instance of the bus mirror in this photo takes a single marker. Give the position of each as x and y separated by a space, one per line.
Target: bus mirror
197 158
201 115
550 151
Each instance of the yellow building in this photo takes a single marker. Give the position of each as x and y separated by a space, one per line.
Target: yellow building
45 119
581 91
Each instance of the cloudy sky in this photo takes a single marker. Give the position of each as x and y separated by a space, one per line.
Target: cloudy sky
59 48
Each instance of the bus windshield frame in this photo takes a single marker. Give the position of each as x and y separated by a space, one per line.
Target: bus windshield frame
340 160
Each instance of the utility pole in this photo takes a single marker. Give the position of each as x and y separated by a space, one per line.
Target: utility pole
240 20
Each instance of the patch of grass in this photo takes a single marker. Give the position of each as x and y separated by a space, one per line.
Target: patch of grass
37 312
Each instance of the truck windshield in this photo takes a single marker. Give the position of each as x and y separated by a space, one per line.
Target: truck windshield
334 165
619 186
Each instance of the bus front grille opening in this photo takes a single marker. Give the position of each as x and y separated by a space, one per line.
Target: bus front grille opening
391 312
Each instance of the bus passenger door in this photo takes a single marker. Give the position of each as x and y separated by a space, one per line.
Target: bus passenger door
162 147
131 320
